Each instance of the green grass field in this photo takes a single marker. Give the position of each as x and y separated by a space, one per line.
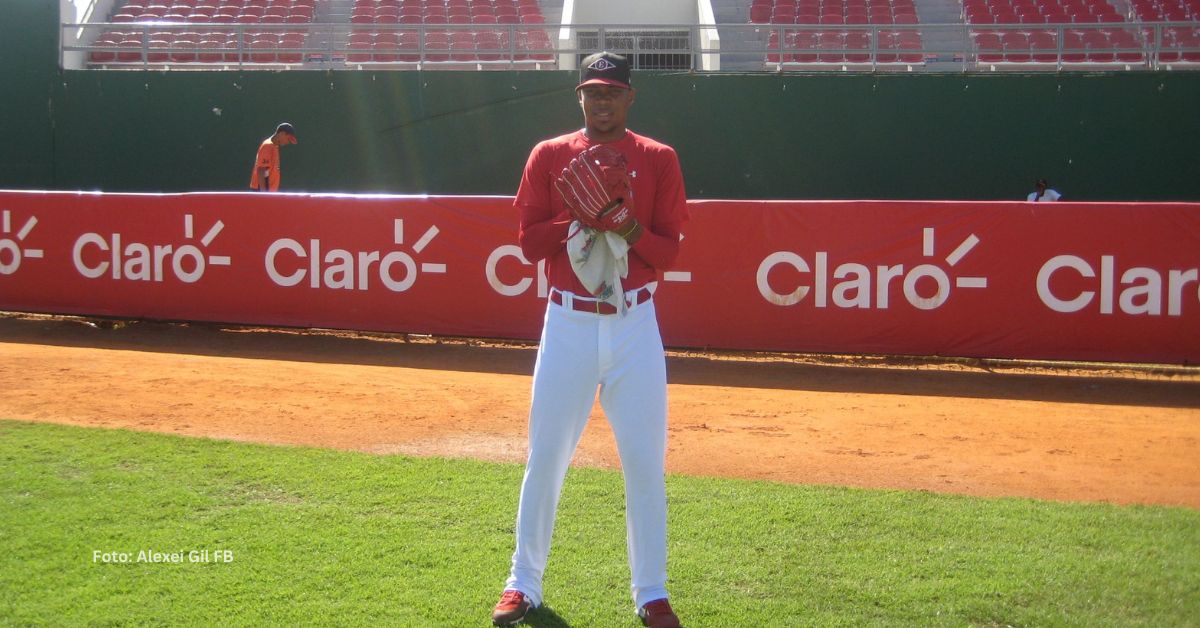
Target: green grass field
318 537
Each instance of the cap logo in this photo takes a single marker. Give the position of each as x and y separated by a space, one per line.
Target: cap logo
601 65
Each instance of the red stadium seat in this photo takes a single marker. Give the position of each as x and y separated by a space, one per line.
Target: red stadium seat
263 49
410 47
773 55
760 12
385 51
1044 45
1098 46
858 45
1016 46
291 43
183 49
1074 48
879 16
783 14
1130 50
211 46
831 47
911 51
487 44
104 56
437 46
887 46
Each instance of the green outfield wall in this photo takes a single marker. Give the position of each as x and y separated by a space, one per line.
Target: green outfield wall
1107 136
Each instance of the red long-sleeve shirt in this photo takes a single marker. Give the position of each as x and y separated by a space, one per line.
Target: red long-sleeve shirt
659 204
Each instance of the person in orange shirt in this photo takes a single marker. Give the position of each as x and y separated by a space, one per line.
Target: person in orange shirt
265 177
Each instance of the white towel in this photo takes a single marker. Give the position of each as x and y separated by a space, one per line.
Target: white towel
601 261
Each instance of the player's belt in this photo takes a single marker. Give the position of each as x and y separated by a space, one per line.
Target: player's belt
596 306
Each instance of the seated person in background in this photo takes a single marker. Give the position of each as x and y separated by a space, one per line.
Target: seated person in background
1043 193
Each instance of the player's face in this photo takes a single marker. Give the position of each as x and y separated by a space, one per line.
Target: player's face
605 108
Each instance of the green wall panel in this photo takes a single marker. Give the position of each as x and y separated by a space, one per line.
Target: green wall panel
28 73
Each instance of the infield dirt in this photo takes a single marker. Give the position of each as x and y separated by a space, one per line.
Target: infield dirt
1121 434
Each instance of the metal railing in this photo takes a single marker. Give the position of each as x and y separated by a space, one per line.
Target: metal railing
954 47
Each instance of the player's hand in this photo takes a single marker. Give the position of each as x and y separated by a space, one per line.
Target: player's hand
620 221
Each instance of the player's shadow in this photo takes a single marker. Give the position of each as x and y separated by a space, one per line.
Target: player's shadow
545 617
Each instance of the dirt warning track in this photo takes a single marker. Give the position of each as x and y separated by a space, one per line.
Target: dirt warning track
1063 432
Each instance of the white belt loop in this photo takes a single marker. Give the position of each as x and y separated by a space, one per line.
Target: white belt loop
631 297
568 298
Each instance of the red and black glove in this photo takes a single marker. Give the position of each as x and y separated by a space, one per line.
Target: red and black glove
596 189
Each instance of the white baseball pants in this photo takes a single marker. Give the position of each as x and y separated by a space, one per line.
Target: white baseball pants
623 356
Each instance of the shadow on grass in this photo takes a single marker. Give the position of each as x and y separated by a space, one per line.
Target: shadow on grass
544 617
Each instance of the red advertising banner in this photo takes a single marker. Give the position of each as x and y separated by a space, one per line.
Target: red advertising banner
1080 281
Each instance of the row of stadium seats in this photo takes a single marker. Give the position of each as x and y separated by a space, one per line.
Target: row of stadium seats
453 46
1113 39
1166 10
1085 46
377 39
833 12
1110 44
384 45
414 11
214 46
838 47
221 11
1039 12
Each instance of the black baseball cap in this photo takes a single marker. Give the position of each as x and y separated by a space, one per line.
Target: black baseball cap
286 127
604 68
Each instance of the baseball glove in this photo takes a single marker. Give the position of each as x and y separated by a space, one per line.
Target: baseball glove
595 187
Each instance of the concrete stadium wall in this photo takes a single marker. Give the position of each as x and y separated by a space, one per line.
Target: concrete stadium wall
1124 136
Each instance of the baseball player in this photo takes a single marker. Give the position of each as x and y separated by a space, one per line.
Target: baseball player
604 207
265 176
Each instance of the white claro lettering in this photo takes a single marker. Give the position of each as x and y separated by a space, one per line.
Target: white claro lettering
288 263
136 261
509 285
1141 290
854 285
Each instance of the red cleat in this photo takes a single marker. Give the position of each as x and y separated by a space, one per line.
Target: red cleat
511 609
658 614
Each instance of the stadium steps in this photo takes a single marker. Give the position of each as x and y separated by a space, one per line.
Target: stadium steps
941 12
335 12
738 12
